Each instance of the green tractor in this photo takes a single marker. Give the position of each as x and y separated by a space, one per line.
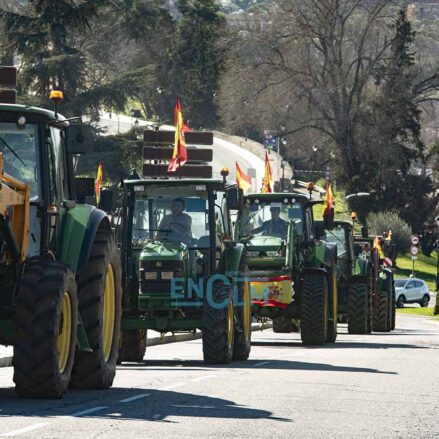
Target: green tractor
182 271
354 287
60 275
293 275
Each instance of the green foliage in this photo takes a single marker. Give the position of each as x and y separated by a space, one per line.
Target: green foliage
382 222
425 268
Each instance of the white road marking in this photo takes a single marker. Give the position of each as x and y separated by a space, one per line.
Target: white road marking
262 363
25 429
133 398
172 386
206 377
86 412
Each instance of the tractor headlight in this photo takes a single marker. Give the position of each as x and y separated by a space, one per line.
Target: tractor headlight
167 275
150 275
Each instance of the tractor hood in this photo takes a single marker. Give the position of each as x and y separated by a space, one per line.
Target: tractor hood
264 243
165 251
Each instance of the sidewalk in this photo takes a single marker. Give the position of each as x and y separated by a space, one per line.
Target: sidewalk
7 352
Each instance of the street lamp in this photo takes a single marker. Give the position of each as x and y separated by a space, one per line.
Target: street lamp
314 150
350 196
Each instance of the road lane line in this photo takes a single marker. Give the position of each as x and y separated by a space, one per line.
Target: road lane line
172 386
262 363
25 429
86 412
206 377
134 398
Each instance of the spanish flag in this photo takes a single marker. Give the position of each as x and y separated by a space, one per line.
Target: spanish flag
243 180
377 245
328 203
98 183
267 184
179 156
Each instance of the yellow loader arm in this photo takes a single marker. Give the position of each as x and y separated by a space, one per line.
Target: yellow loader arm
14 205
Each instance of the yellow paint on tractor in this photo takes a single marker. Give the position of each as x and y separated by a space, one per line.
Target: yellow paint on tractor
109 311
65 332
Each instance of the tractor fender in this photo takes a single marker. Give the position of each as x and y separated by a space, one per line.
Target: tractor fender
232 258
315 270
98 220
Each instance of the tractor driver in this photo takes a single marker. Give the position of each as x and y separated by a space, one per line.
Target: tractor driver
177 226
276 226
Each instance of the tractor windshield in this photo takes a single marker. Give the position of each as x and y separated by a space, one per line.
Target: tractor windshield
271 218
19 146
337 236
177 214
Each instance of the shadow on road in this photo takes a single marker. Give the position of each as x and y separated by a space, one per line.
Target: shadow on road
157 406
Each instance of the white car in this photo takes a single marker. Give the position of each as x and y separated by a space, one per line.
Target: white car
411 290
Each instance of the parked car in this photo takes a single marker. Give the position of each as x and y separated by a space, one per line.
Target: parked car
411 290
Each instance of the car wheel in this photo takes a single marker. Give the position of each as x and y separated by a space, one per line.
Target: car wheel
400 302
425 301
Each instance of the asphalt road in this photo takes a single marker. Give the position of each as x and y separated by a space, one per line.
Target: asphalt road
379 386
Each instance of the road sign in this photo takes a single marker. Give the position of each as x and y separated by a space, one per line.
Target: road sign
414 250
415 240
414 258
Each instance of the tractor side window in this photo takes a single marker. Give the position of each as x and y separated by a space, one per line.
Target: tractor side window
53 192
61 179
220 220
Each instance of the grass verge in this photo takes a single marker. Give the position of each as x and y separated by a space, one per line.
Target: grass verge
427 312
425 268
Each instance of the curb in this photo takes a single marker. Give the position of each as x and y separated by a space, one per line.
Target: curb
155 341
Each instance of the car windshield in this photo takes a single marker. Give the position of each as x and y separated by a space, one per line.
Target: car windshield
337 236
400 283
270 218
172 214
23 141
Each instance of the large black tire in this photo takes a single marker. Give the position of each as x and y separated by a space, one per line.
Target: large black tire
393 323
314 309
332 330
358 308
243 330
380 312
47 293
218 325
133 346
96 370
283 325
370 294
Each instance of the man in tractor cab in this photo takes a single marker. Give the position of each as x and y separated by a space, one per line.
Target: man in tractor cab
276 226
177 226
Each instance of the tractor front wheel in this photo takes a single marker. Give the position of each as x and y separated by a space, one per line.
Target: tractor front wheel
358 308
283 325
380 312
133 346
46 322
242 343
314 309
100 306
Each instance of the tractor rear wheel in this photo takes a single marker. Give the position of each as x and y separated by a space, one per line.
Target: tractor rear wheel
314 309
133 346
218 325
380 312
100 305
282 325
370 294
393 322
358 308
333 307
46 322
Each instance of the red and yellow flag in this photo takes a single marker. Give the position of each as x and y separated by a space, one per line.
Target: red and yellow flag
242 179
179 156
328 202
98 182
377 245
267 183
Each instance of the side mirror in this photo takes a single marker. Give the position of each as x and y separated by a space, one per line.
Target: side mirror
234 198
75 139
364 232
106 200
85 188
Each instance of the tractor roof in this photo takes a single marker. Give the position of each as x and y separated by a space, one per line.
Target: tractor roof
281 195
172 181
25 109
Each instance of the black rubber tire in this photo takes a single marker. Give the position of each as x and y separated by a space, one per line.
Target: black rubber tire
358 308
400 302
242 343
91 370
314 309
216 349
425 301
133 346
38 318
370 292
332 330
393 322
282 325
380 312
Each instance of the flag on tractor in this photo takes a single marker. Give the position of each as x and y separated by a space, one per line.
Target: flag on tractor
328 203
98 183
377 245
179 156
242 179
267 184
